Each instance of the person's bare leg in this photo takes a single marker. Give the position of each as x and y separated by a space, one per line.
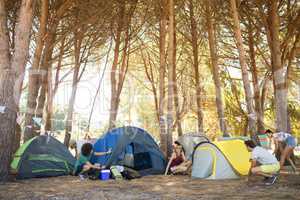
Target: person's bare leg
179 169
291 149
284 155
85 168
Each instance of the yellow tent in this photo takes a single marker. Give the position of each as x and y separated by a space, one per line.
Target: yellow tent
221 160
237 154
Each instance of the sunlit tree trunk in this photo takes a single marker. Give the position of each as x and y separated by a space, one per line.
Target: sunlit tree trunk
33 83
258 110
162 71
171 68
176 98
194 42
245 73
215 70
11 77
279 71
263 96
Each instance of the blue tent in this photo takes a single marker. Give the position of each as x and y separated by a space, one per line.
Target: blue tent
131 147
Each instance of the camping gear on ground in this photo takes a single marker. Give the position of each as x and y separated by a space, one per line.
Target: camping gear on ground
131 147
130 174
221 160
116 173
42 156
189 142
104 174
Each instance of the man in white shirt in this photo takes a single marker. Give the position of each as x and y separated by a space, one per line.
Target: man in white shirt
263 163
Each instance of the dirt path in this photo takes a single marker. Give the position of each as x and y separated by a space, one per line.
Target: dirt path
152 188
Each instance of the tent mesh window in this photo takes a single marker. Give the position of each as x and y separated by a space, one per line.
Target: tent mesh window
142 161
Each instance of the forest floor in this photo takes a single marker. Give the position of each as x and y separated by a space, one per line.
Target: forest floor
151 187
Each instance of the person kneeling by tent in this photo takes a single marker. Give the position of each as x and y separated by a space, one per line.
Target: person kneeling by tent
83 166
285 144
176 159
269 166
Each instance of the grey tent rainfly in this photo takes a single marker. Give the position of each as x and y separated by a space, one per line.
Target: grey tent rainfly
189 141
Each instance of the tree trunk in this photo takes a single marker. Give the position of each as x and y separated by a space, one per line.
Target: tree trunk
245 74
194 42
279 71
176 99
260 123
77 45
171 68
17 138
7 118
162 71
51 95
11 78
45 67
150 77
264 91
215 70
33 84
117 85
113 80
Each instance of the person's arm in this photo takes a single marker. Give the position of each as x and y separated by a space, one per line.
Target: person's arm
276 144
183 156
253 164
92 166
169 163
102 153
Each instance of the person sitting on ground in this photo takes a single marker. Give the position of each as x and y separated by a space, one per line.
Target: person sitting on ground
283 139
263 163
83 164
176 159
184 167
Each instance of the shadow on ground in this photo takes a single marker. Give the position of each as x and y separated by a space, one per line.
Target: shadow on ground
151 187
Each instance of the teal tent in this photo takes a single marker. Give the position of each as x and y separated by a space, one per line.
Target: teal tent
42 156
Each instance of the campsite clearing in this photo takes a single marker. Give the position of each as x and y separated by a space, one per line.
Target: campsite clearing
150 187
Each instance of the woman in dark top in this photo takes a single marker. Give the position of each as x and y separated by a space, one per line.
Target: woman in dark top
177 157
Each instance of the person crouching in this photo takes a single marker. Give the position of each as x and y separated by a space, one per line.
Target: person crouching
263 163
83 165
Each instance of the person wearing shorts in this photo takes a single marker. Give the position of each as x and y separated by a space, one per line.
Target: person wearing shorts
290 144
263 163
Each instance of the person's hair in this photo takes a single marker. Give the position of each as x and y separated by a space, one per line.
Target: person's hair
250 143
177 143
269 131
86 149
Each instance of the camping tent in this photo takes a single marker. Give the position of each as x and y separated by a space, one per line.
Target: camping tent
189 141
221 160
42 156
132 147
